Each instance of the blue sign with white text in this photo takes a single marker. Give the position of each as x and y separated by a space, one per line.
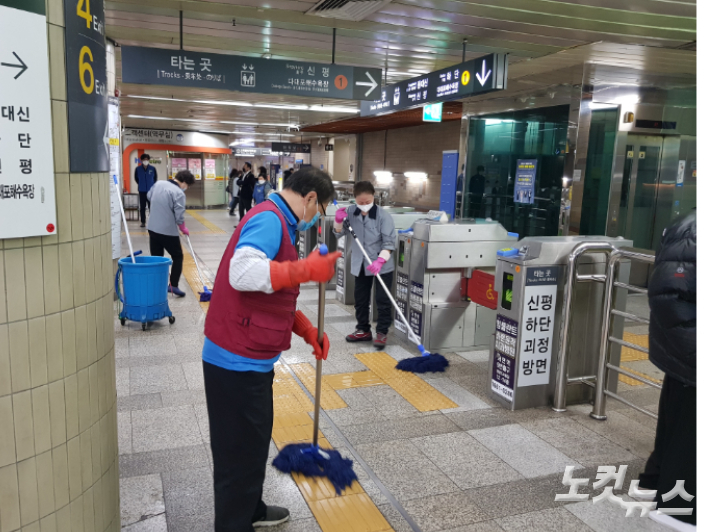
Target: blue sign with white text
524 191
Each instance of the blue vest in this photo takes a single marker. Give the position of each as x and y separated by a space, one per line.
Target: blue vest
146 177
259 193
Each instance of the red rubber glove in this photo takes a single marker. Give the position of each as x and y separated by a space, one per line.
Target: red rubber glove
315 267
184 229
340 215
376 265
304 328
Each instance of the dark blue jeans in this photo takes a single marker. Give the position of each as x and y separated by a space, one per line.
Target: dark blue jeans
233 204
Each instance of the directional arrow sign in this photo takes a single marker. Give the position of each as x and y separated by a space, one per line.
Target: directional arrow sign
22 66
372 83
484 75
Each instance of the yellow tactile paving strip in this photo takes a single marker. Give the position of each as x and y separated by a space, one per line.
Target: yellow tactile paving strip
353 511
189 270
204 221
329 399
634 382
418 392
358 379
630 355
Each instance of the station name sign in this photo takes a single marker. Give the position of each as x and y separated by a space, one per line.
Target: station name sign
290 147
484 74
180 68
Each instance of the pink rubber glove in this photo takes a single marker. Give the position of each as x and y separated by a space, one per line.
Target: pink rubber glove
376 265
184 229
340 215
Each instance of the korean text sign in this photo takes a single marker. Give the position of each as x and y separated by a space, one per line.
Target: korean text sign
506 341
27 198
525 173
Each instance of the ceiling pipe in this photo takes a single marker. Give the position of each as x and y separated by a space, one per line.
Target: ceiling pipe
181 30
333 57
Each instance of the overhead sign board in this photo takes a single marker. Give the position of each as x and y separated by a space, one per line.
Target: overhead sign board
178 68
252 152
478 76
27 200
432 112
87 96
290 147
329 147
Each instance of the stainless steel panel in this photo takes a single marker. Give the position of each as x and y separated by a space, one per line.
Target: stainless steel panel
474 254
344 281
445 323
485 325
463 231
442 286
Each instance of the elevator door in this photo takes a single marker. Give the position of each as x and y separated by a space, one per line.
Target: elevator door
646 202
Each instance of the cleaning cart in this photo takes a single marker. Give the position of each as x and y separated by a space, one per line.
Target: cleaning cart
144 296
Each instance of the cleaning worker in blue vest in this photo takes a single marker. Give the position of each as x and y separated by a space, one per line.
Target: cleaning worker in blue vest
146 176
263 188
251 319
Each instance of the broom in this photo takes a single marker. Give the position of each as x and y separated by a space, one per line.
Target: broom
206 295
308 458
428 362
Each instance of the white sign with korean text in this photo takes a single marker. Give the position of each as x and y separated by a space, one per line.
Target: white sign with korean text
114 133
537 329
27 201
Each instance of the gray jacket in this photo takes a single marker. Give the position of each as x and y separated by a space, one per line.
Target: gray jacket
376 232
167 208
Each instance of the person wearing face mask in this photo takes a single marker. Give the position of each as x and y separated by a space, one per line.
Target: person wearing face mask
263 187
246 193
146 176
166 216
251 320
374 228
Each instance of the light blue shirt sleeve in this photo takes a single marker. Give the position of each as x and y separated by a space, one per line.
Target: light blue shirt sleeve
262 232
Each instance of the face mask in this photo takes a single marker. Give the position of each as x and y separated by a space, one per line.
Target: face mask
262 181
366 208
303 225
145 163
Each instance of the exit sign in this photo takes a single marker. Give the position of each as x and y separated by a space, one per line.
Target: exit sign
433 112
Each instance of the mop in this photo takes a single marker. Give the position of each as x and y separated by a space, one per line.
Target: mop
125 223
206 295
308 458
428 362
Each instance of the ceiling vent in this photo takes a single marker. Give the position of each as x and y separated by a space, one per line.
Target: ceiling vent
346 9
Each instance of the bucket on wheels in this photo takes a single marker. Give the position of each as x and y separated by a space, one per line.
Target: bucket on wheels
145 289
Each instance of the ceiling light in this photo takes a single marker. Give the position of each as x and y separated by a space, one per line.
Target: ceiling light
166 118
217 132
222 102
288 107
238 123
416 176
333 109
597 105
383 176
294 126
242 141
155 98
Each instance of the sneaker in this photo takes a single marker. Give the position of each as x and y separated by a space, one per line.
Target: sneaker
232 214
175 291
142 225
274 516
359 336
380 341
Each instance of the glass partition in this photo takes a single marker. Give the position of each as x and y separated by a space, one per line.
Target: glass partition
530 144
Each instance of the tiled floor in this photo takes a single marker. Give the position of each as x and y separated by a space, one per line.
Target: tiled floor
475 467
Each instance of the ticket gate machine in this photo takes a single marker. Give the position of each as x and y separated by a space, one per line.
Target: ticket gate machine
432 260
530 279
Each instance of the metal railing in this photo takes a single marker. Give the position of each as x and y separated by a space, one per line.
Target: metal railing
601 392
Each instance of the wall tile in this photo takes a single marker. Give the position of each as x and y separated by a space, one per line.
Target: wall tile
71 396
82 342
74 464
77 515
77 207
57 413
14 243
48 524
55 12
40 415
9 498
7 434
94 393
5 373
15 284
38 351
3 293
19 356
62 191
89 509
91 332
99 270
66 276
86 204
45 484
89 280
57 70
86 462
60 135
78 273
101 325
32 242
50 272
32 527
69 342
24 427
96 213
55 354
60 472
63 518
84 398
27 482
95 453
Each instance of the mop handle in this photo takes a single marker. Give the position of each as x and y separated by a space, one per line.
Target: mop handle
323 250
195 259
387 291
123 215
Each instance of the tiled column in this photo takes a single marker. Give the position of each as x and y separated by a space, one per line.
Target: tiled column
58 438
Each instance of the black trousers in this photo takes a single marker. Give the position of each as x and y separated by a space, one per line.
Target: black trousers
674 454
159 244
233 204
244 206
240 407
143 196
363 289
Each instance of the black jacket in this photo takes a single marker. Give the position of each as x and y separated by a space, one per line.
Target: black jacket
247 183
671 294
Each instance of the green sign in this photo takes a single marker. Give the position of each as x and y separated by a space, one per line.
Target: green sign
33 6
433 112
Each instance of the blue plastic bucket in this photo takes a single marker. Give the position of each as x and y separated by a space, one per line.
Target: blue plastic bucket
145 288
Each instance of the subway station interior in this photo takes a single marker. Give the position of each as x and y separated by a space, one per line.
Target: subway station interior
517 351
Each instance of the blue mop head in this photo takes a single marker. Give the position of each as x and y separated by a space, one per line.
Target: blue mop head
424 364
206 295
313 461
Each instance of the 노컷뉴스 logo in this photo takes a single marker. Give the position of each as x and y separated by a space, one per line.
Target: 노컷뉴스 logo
605 474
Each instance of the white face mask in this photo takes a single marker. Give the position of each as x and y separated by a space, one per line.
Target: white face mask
261 181
366 207
145 162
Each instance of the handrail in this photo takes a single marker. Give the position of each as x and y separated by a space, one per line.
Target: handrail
601 393
560 400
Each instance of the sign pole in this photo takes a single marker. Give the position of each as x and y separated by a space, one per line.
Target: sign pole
463 53
181 48
333 56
